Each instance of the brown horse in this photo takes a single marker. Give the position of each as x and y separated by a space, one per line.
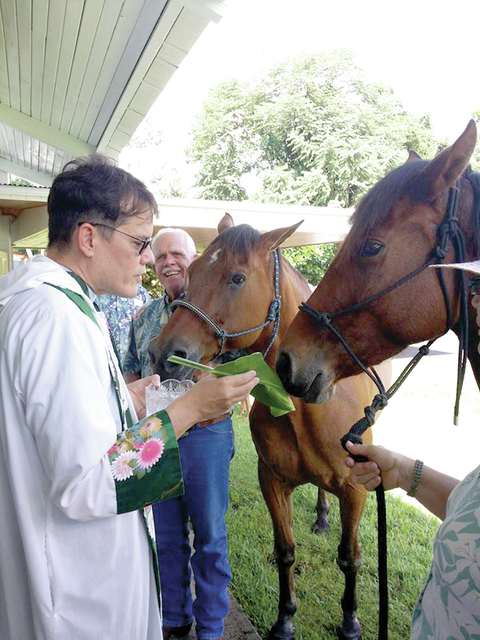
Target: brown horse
406 222
234 284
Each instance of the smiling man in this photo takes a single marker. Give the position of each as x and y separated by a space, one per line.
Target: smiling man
205 456
173 251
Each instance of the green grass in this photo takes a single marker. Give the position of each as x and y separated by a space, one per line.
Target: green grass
319 582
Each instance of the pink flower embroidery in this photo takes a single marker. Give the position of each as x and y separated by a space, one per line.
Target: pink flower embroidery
150 453
122 447
122 467
148 427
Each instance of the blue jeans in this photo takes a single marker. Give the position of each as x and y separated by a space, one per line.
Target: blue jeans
205 453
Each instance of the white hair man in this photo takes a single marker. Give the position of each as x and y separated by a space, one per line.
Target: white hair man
205 456
173 251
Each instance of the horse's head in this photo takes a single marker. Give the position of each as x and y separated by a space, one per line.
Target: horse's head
395 230
231 290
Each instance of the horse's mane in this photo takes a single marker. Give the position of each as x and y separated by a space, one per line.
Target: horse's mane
240 240
375 206
244 239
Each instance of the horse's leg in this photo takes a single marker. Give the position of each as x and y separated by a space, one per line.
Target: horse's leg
321 523
278 498
352 505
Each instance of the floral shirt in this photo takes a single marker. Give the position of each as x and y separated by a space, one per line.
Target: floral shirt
145 326
119 313
449 607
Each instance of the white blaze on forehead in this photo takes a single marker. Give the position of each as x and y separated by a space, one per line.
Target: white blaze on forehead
214 256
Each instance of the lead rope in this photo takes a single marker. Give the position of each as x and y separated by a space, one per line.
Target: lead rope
355 436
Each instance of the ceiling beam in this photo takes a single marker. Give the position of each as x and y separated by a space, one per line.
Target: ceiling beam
44 132
30 228
205 12
133 52
26 173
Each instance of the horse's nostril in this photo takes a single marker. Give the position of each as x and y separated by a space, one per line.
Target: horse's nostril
284 367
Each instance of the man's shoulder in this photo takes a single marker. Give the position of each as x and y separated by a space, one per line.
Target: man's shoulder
153 309
44 308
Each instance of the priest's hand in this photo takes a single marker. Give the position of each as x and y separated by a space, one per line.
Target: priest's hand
209 398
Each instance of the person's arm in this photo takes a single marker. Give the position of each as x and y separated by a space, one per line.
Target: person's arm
396 470
209 398
71 411
145 460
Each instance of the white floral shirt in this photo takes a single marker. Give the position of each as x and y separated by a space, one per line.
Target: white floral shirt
119 313
449 607
145 326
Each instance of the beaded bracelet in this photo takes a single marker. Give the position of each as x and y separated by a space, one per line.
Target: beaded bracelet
417 474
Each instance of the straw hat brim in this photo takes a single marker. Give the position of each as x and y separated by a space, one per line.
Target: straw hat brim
472 267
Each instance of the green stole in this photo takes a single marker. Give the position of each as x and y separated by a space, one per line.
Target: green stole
145 485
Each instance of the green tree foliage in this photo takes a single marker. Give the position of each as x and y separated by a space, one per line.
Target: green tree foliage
21 182
312 261
151 283
312 130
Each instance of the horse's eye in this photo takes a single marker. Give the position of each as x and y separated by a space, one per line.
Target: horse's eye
371 248
238 278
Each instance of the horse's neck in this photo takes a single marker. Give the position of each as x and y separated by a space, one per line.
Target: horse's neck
469 220
469 214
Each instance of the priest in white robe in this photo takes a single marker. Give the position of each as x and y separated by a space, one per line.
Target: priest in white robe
76 465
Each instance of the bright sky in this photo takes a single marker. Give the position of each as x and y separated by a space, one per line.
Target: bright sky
426 50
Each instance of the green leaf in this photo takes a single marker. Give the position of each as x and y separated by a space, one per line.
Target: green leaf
268 391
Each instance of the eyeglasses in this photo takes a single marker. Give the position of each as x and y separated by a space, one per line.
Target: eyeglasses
143 243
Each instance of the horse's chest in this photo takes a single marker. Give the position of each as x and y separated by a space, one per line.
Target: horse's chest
288 452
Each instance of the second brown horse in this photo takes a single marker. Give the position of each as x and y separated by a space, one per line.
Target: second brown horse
233 283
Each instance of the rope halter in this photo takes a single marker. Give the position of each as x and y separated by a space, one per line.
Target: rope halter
273 315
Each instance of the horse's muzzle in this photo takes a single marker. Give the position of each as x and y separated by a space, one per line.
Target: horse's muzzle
168 370
313 386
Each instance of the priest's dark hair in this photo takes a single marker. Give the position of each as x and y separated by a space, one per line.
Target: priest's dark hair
93 189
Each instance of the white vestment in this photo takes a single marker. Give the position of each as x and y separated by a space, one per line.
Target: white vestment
70 567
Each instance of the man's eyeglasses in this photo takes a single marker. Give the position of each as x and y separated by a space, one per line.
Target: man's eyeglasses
143 243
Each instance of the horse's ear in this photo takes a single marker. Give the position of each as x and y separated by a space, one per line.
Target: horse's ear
273 239
413 156
443 171
225 223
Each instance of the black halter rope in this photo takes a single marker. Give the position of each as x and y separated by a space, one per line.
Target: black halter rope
273 314
448 230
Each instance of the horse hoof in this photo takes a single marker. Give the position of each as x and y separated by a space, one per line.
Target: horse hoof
273 635
282 632
320 527
350 629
